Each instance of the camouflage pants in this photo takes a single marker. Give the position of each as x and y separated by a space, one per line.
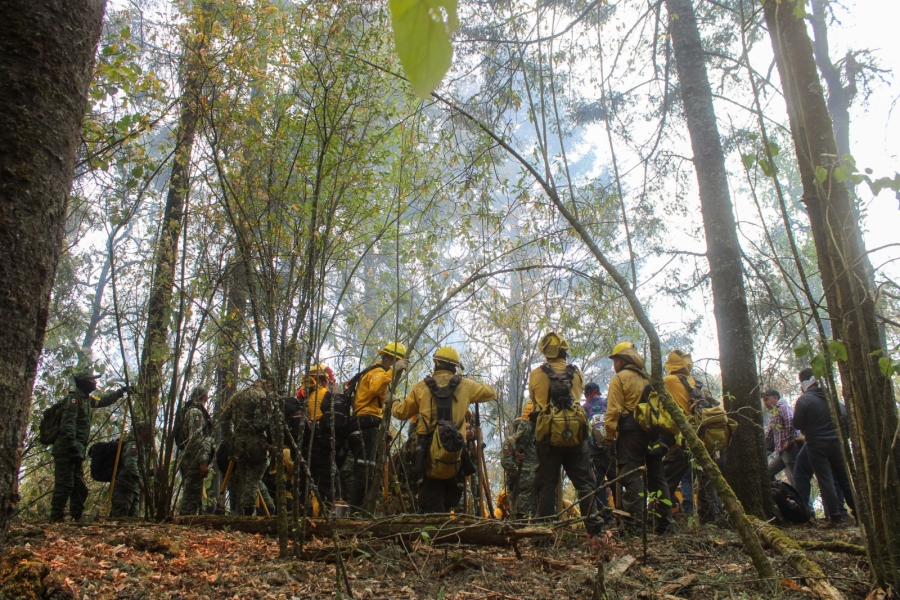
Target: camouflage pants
521 492
126 500
191 489
68 488
243 485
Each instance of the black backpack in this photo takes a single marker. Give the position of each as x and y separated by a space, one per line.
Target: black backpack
695 393
337 407
790 505
48 430
560 393
103 457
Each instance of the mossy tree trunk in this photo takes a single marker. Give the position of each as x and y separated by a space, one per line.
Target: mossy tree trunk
851 309
47 50
746 462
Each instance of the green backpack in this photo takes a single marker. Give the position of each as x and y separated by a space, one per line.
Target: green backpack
48 430
652 416
715 428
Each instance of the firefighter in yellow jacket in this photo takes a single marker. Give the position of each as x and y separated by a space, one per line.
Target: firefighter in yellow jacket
441 402
556 385
368 407
635 447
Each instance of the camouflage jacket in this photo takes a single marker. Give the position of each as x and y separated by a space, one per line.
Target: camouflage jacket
75 422
522 440
245 426
198 446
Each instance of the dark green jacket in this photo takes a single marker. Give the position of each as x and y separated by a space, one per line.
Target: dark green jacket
75 423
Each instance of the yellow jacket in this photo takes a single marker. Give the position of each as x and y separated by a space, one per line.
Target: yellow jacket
539 383
679 365
419 401
625 391
370 392
314 403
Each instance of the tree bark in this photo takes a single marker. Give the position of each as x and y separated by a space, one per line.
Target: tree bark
851 309
746 462
46 62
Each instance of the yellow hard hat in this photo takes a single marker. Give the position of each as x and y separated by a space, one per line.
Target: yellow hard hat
448 354
620 347
527 409
395 349
319 369
552 344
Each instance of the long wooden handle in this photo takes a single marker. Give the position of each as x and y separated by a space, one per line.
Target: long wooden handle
112 482
227 475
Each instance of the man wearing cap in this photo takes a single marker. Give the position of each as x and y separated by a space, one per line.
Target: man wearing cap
634 447
519 460
574 459
441 495
68 449
368 407
126 499
194 450
812 417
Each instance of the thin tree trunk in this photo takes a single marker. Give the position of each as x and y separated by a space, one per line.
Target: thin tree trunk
746 462
46 62
851 309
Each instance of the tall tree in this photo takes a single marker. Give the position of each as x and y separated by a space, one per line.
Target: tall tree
47 52
155 352
746 463
851 309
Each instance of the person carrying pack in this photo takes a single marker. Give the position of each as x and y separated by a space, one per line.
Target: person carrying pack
245 433
561 431
194 440
519 461
633 446
368 407
677 463
441 401
70 442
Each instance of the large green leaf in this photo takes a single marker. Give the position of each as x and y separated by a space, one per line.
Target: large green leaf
422 37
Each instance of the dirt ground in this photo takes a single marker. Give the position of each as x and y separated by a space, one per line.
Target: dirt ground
138 560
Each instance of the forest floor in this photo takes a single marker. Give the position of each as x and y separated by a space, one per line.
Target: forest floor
139 560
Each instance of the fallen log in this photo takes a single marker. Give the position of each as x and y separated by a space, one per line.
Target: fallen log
833 546
434 529
787 547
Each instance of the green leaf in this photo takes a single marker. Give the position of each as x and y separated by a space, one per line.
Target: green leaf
422 32
821 174
800 9
748 160
884 363
774 149
837 349
801 350
818 365
840 174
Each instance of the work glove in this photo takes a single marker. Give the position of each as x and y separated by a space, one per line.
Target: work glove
204 470
125 389
401 365
76 458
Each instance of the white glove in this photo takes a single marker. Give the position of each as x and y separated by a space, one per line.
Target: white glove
401 365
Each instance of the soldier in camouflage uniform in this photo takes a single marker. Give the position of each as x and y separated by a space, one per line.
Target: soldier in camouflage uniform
126 500
68 449
245 430
195 450
519 460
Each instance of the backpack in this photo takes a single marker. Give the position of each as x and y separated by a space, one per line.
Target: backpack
447 442
790 505
181 436
715 428
48 430
560 392
694 391
103 457
598 431
562 427
652 416
341 405
350 391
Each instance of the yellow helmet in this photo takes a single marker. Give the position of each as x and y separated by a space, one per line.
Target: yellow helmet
319 369
552 344
527 409
395 349
448 354
620 347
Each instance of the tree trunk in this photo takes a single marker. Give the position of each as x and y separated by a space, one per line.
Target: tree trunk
46 62
851 310
746 462
155 352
